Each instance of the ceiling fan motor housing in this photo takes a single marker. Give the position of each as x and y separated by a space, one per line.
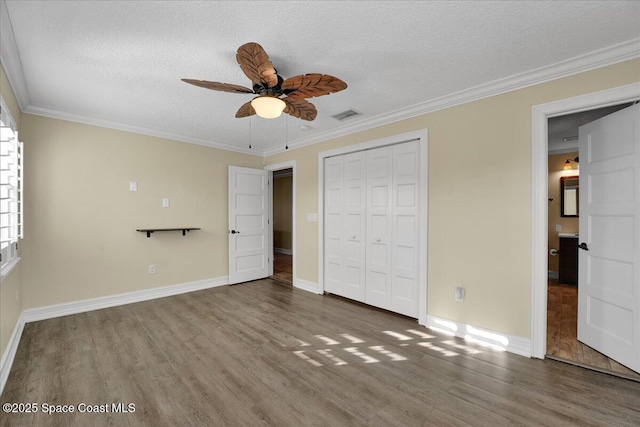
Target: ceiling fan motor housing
276 91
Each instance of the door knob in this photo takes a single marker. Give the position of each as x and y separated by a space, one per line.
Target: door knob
583 246
235 232
378 239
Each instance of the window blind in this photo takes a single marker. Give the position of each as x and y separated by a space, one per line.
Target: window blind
11 174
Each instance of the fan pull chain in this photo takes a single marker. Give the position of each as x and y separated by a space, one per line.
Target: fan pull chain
249 132
286 132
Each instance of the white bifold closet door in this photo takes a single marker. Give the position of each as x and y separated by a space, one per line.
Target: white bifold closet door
344 225
405 222
379 226
371 227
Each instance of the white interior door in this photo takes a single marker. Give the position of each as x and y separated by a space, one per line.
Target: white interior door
405 243
379 227
609 262
354 225
333 224
248 230
345 225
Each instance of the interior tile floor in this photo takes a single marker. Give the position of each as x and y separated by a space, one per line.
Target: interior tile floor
562 333
283 268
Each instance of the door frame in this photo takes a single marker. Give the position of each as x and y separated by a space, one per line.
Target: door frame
540 208
291 164
423 200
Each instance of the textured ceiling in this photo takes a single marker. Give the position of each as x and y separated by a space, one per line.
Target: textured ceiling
120 63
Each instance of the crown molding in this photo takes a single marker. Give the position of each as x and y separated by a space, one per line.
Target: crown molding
79 118
596 59
10 59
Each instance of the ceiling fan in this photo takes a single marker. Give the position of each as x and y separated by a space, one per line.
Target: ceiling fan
275 95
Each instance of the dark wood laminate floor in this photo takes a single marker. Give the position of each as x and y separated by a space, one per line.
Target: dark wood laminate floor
562 333
263 353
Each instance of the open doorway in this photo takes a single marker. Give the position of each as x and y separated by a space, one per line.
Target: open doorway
563 237
283 225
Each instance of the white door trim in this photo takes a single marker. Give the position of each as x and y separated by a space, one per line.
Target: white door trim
291 164
539 179
422 137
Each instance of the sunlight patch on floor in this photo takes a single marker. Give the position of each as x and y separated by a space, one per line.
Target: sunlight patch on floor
394 357
352 339
447 347
465 348
327 340
398 335
327 354
303 356
421 334
444 351
365 357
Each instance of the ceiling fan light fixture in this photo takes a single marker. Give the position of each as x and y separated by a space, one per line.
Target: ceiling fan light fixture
268 107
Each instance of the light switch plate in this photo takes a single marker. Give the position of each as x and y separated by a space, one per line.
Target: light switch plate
558 227
165 203
133 186
312 217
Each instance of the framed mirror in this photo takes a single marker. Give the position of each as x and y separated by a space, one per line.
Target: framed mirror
569 196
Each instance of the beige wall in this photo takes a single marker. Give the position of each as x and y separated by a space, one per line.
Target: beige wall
479 199
282 205
80 217
569 224
11 286
10 305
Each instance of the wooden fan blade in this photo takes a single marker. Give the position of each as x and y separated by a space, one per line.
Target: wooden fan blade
246 110
223 87
255 63
300 108
310 85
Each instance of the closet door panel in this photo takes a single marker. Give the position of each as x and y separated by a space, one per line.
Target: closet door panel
379 227
333 224
404 272
353 231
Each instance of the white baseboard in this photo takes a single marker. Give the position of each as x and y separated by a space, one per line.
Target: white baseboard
510 343
75 307
307 286
283 251
10 352
553 274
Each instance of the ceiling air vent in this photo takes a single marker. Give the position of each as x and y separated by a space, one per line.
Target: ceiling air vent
346 115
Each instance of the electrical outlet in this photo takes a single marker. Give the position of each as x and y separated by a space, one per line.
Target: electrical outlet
459 294
558 227
152 268
165 203
133 186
